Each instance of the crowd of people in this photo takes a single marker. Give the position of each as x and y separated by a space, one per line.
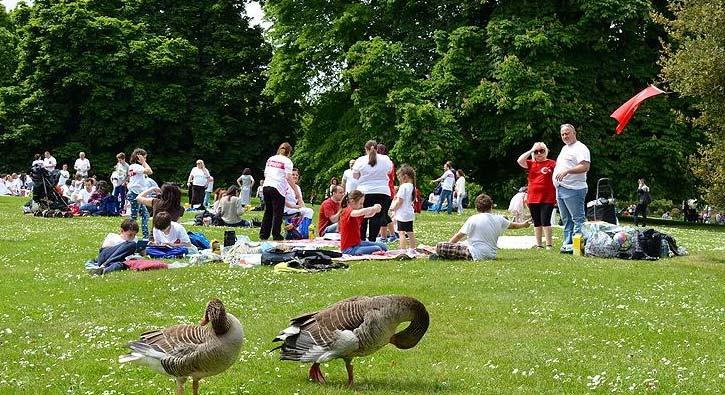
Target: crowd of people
364 207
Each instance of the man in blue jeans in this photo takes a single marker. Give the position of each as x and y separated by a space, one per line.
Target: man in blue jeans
447 180
570 180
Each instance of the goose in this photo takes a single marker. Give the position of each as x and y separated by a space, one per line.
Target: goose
184 351
350 328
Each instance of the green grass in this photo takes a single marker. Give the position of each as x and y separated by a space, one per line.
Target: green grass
530 322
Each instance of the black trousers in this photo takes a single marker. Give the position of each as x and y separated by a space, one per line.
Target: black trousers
197 195
370 227
273 212
641 209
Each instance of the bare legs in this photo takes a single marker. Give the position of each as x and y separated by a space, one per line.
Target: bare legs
546 230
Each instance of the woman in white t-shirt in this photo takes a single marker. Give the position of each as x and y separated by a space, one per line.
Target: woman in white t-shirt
371 172
198 180
460 190
402 208
277 178
293 205
137 172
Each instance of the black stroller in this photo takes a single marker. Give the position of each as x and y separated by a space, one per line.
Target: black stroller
44 193
602 207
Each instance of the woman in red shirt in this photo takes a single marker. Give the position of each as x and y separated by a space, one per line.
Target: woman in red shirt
350 221
541 194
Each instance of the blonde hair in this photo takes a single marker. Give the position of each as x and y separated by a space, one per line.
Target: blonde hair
546 149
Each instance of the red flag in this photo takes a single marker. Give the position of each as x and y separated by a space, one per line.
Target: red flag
624 113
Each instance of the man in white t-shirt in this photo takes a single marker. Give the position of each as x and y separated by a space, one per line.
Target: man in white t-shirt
570 180
82 165
348 181
447 180
482 231
49 162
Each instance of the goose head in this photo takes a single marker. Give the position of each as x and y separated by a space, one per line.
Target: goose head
217 315
410 336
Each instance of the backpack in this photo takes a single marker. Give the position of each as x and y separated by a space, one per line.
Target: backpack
646 198
199 240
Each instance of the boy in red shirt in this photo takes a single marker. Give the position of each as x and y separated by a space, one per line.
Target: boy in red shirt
350 222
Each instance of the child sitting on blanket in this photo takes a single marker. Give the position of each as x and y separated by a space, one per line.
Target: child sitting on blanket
169 233
350 222
482 230
115 248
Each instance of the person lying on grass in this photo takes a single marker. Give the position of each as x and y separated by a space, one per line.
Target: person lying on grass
351 220
482 230
169 233
114 250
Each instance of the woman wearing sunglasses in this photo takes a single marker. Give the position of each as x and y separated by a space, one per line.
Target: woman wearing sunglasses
541 192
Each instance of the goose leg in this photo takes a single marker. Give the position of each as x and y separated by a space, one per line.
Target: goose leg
180 385
195 386
348 366
316 374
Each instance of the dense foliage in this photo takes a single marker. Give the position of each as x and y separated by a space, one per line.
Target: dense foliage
695 66
478 83
181 79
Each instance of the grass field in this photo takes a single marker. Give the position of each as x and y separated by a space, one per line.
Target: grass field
531 322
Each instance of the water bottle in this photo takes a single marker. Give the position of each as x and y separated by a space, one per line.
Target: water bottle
664 249
312 232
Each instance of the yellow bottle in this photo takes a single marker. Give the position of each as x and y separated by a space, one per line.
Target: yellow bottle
312 232
576 244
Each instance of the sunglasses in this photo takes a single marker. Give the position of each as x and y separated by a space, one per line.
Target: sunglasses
539 151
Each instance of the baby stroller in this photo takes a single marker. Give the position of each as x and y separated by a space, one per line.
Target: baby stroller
44 192
602 207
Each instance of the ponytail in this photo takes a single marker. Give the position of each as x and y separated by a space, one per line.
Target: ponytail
372 147
284 149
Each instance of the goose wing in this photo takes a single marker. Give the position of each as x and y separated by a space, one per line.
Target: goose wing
324 335
168 350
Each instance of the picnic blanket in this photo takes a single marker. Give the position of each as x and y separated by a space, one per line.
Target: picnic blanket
516 242
317 242
383 256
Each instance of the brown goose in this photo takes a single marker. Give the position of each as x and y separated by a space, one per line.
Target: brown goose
184 351
351 328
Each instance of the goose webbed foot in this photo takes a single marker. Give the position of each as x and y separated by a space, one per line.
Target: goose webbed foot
316 374
348 366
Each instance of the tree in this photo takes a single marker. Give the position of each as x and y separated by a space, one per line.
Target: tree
181 79
478 83
694 64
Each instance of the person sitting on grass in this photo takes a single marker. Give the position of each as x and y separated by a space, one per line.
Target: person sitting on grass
350 222
231 208
169 233
482 230
115 248
94 200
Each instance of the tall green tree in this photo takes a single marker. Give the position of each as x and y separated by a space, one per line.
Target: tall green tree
694 64
182 79
478 83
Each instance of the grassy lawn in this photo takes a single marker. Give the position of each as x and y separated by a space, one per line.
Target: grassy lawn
530 322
